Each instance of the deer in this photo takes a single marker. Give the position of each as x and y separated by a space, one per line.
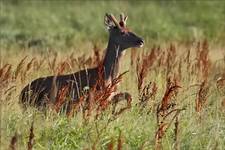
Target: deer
120 39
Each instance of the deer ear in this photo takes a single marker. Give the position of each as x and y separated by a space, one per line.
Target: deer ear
108 22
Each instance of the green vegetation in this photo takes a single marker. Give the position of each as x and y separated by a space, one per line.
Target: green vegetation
65 24
35 35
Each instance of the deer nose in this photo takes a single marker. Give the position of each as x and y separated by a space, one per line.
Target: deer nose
140 42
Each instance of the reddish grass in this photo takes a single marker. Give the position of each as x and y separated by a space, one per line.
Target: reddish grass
143 65
30 142
13 142
202 95
166 113
98 99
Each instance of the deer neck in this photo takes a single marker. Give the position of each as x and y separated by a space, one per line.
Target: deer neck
112 60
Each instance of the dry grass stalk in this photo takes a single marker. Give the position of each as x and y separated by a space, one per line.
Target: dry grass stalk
167 97
165 111
83 62
87 104
93 147
53 92
86 101
143 65
166 102
61 98
159 135
187 60
79 62
62 67
105 88
8 93
4 70
98 98
19 67
148 92
52 64
25 70
133 56
170 59
161 58
201 96
29 65
176 132
110 146
142 147
30 142
188 57
102 96
116 99
163 126
5 74
9 90
72 60
13 142
76 105
97 57
223 105
220 83
179 74
38 63
120 142
203 61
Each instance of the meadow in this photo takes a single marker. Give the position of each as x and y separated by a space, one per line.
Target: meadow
177 80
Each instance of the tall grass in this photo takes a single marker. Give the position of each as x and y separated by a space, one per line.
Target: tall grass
179 105
62 24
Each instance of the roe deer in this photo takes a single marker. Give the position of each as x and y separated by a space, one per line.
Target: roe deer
120 38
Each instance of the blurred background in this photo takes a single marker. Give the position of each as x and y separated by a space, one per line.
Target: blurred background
67 24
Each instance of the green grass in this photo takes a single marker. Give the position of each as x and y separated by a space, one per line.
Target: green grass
73 27
67 24
203 130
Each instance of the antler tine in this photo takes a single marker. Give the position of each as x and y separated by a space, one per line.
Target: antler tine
125 20
113 19
122 17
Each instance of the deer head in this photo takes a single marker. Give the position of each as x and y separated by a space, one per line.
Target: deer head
120 35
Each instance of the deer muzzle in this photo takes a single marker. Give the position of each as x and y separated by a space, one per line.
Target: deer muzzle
140 43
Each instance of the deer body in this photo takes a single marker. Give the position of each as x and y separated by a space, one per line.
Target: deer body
120 39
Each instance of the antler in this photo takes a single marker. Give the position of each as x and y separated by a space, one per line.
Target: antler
122 17
111 17
123 20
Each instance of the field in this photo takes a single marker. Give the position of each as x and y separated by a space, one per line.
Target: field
177 80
